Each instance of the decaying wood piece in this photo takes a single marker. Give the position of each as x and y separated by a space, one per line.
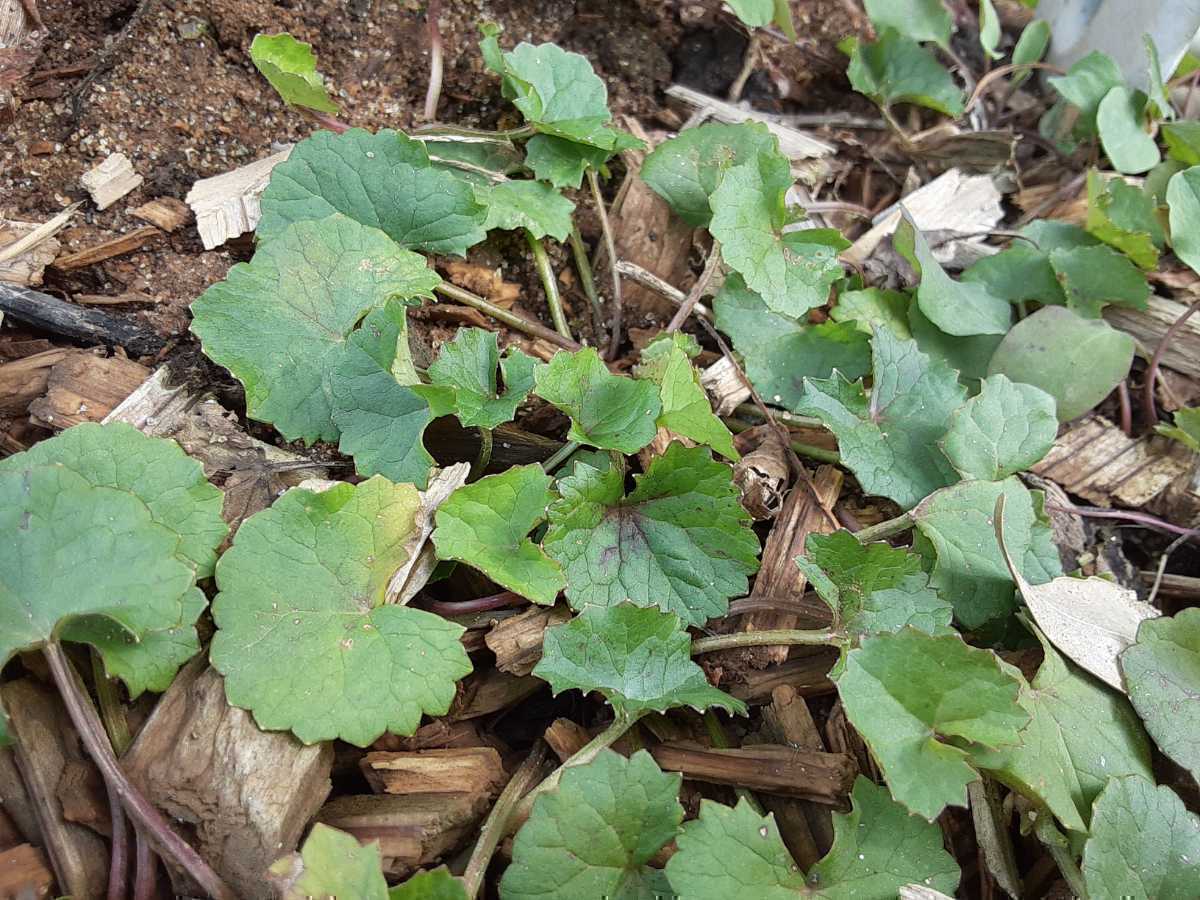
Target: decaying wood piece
245 794
29 258
807 670
83 387
111 180
1149 325
24 380
566 738
439 733
227 205
788 720
166 213
15 799
122 243
471 770
482 693
725 386
46 745
770 768
840 737
413 831
24 874
89 326
794 144
517 641
762 474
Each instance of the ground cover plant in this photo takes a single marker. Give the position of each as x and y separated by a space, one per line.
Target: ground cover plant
982 685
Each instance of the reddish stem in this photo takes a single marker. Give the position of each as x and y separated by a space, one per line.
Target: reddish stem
478 605
145 882
1128 515
1126 407
1152 372
327 121
118 867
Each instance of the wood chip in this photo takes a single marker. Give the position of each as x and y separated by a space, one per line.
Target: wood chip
772 768
1149 325
794 144
166 213
483 280
227 205
25 267
471 770
111 180
725 386
807 671
123 243
114 299
566 738
16 802
762 474
482 693
517 641
24 873
83 387
24 380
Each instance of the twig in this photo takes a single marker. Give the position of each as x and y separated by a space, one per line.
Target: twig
325 120
1162 566
586 280
1128 515
1148 405
560 456
968 78
118 866
749 61
749 409
145 881
780 637
1126 408
450 608
614 341
43 232
433 9
634 272
511 319
720 740
693 297
999 72
91 733
494 827
821 454
461 131
886 529
549 284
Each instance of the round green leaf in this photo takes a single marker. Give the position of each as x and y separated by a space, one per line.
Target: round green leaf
1183 200
1119 119
1004 429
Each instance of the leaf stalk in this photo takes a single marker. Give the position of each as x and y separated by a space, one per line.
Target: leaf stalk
549 284
774 637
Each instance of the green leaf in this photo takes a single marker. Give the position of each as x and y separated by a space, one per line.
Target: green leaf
438 884
755 13
608 411
895 69
305 640
331 864
686 170
969 356
791 271
527 204
872 308
1031 47
877 849
383 180
686 410
594 836
639 659
779 352
1001 431
485 525
1183 201
1020 272
872 588
908 692
1080 734
1145 845
1092 277
561 162
886 439
1076 361
680 541
1158 91
1119 119
1186 429
280 322
959 308
1124 216
1086 83
989 29
920 20
1162 673
291 67
170 483
466 368
1183 141
970 569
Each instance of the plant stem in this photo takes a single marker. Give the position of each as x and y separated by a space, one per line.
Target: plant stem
560 456
820 454
325 120
495 827
549 285
433 9
485 453
610 247
144 815
689 303
779 637
112 713
511 319
1148 407
586 279
145 881
1128 515
118 866
787 418
1068 867
450 608
716 734
886 529
460 131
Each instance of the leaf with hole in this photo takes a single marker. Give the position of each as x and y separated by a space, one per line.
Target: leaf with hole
291 67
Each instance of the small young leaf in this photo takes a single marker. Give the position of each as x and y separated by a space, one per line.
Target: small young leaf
527 204
1124 216
886 439
872 588
608 411
1004 429
989 29
1186 429
383 180
956 307
895 69
780 352
291 67
561 162
1183 142
872 308
279 323
1086 83
1162 672
1119 120
920 20
485 525
970 569
680 541
1144 845
304 639
686 170
1031 47
466 367
686 410
1159 100
438 884
331 864
1092 277
1076 361
791 271
639 659
904 691
595 835
877 849
1183 201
